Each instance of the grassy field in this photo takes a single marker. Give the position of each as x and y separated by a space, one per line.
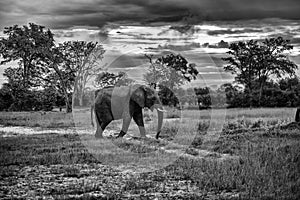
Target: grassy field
256 155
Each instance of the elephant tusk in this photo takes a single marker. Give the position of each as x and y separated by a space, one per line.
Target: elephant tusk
161 110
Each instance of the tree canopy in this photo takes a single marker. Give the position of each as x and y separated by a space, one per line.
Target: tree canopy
29 46
105 79
45 64
170 70
256 61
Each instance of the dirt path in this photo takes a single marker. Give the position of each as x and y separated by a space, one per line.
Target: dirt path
14 131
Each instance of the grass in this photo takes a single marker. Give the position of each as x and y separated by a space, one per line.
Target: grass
256 156
37 119
267 166
82 116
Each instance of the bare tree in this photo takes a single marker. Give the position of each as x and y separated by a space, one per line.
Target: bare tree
88 68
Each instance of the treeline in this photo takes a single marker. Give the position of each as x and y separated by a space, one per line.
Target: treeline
52 75
46 72
284 93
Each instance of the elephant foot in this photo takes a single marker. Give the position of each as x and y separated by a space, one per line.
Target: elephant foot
121 134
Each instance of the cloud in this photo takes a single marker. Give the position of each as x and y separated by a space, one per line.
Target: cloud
231 31
68 34
98 13
101 35
179 47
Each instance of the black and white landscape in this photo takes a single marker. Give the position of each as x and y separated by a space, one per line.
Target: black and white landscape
84 86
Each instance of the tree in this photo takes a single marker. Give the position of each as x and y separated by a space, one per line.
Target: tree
254 61
293 85
241 63
232 94
5 98
86 56
203 97
45 99
273 60
28 45
170 71
167 96
61 73
66 62
106 79
19 93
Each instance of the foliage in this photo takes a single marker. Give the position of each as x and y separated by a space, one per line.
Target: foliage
170 71
22 98
167 96
86 57
203 97
284 93
106 79
29 46
66 62
5 98
43 64
254 61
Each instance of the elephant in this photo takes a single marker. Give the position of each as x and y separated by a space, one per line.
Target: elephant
125 102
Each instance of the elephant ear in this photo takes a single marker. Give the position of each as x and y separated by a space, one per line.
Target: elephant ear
138 95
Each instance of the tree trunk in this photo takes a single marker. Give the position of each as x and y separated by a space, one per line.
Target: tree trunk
81 95
68 104
297 116
260 95
250 99
64 88
67 101
25 80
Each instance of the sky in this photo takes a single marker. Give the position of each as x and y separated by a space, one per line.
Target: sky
130 28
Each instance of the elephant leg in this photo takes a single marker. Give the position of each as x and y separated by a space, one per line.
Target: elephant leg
138 119
101 125
100 129
125 125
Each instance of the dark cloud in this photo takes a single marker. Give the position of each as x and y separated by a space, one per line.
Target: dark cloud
295 41
64 14
230 31
179 47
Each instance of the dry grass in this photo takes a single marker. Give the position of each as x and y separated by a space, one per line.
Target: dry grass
82 116
37 119
254 157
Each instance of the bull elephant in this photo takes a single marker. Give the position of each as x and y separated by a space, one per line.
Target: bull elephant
125 102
